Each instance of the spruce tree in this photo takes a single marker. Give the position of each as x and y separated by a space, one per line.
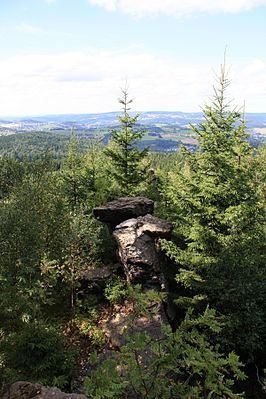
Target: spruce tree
128 162
217 209
74 181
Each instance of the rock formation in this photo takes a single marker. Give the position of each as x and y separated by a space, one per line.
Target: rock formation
117 211
138 252
136 232
28 390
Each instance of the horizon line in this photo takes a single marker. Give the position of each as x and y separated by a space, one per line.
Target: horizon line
107 112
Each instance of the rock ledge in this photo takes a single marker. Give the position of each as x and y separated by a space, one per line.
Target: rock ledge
117 211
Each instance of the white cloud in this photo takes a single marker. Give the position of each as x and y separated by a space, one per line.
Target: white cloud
90 82
179 8
49 1
28 28
250 85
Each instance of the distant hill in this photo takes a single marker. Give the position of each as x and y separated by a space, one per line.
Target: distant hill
164 131
110 118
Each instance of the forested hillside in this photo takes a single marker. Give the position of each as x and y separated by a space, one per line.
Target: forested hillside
52 316
163 132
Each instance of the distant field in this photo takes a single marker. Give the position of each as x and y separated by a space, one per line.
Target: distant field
3 133
159 137
260 130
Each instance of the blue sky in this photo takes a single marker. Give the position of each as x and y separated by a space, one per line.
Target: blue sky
73 56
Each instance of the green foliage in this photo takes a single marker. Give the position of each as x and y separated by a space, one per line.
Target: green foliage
129 163
33 227
11 174
44 247
180 365
74 178
32 146
85 176
96 173
105 383
116 290
217 209
37 353
144 303
81 251
86 327
165 162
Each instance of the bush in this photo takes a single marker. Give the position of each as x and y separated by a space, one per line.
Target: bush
38 354
116 290
179 365
86 327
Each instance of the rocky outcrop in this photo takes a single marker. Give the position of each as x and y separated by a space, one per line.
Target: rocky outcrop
117 211
28 390
136 232
138 252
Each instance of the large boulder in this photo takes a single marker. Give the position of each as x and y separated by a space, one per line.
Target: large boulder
28 390
117 211
138 250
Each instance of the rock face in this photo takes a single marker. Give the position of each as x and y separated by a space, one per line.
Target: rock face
117 211
136 239
136 232
27 390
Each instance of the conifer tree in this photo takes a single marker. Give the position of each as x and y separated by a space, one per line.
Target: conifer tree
73 179
129 167
217 209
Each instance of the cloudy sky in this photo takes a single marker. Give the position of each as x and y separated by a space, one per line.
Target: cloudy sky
73 56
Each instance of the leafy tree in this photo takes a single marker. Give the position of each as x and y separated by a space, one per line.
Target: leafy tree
129 166
217 209
82 251
33 227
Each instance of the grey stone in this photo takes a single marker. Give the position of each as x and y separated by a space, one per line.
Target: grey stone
117 211
138 252
28 390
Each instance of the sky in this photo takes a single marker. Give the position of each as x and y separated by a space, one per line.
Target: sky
74 56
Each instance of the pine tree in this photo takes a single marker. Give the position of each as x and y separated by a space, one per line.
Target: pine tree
217 209
75 182
129 167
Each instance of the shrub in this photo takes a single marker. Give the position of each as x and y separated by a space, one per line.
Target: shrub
38 353
180 365
116 290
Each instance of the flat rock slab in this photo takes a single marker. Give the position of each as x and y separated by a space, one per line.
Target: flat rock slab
28 390
117 211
